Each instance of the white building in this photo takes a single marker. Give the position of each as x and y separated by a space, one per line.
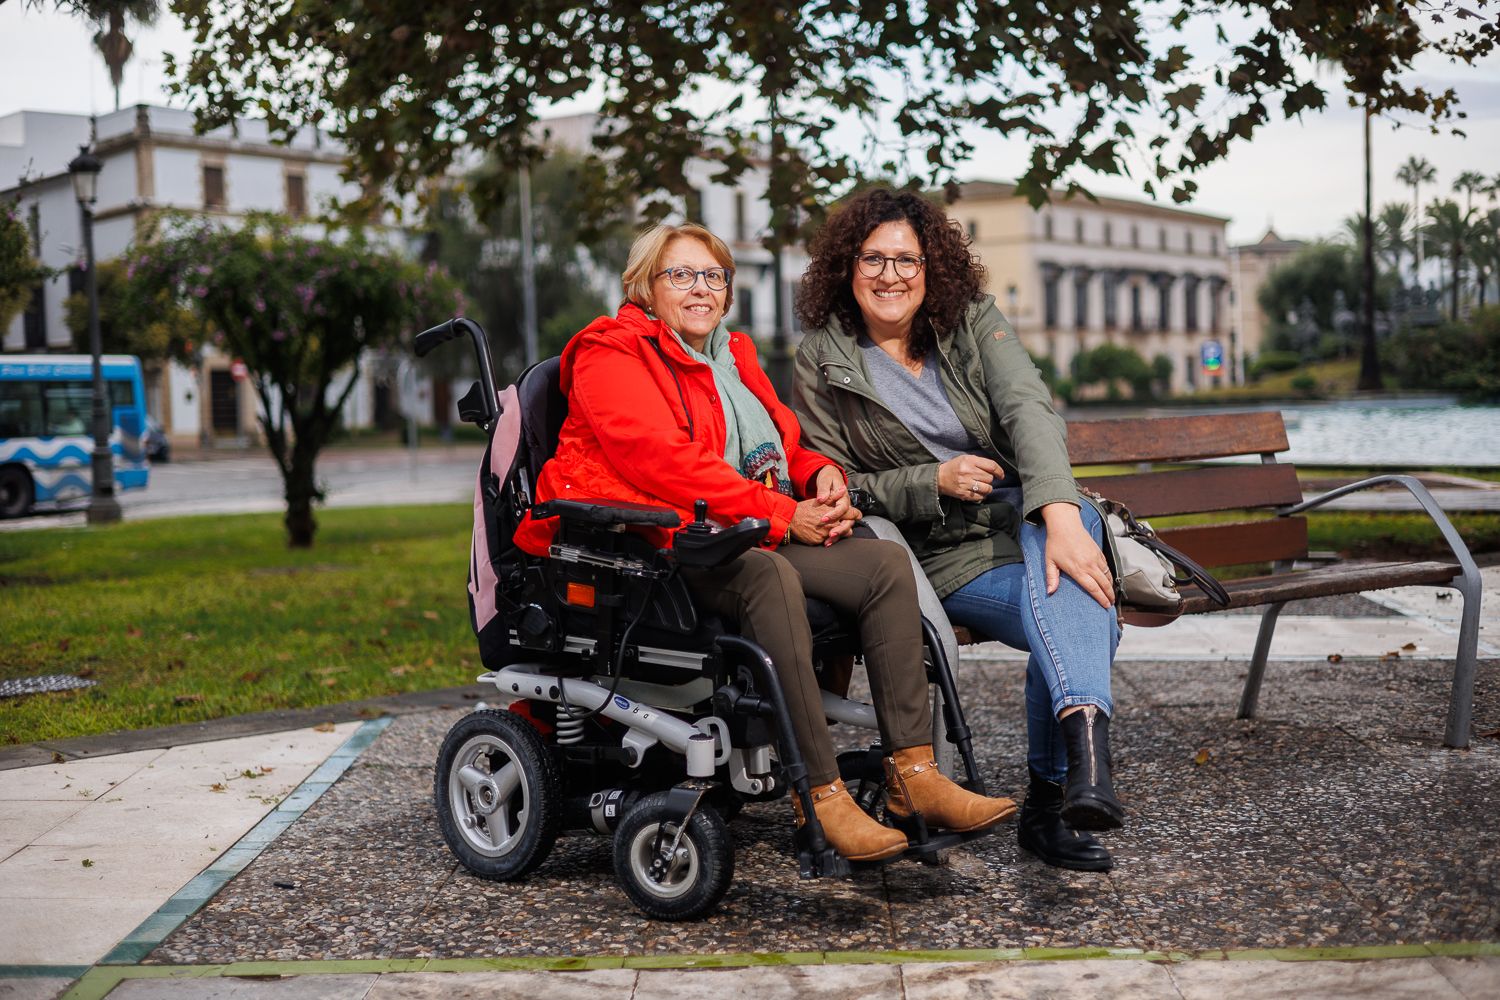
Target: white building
1077 274
153 160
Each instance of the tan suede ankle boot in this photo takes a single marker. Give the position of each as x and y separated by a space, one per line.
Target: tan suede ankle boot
849 829
914 784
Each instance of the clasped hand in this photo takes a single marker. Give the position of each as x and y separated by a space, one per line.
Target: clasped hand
969 477
825 518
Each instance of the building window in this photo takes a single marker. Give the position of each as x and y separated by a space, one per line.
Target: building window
1111 297
1187 241
296 195
1109 235
741 227
1161 238
973 229
1190 303
1135 236
694 206
1049 302
1135 309
1213 244
34 319
1077 230
1046 227
1081 300
1163 301
213 185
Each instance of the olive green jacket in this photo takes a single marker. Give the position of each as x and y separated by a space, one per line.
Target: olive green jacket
999 397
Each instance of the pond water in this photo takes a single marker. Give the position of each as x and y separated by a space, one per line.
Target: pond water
1408 433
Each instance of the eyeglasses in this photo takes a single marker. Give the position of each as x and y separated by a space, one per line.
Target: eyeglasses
872 265
684 278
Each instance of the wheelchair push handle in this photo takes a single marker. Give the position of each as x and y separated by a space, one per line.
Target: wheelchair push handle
459 326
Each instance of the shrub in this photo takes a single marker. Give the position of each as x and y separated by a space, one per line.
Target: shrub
1271 362
1454 357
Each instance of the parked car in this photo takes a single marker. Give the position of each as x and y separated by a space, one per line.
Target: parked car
158 447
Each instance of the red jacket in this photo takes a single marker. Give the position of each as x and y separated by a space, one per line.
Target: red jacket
627 437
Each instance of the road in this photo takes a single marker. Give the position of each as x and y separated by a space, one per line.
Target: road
248 482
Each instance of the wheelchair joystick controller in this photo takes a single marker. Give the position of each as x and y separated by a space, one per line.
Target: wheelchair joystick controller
699 524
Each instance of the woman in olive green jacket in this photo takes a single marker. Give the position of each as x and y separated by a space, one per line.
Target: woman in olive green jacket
917 385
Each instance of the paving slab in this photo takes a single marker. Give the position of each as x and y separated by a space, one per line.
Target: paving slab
32 987
820 982
1113 978
111 838
1392 979
349 987
595 984
1475 978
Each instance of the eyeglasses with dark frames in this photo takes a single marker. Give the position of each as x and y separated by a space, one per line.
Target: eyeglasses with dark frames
684 278
872 265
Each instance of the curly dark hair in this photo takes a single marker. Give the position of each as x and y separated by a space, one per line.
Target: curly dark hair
955 277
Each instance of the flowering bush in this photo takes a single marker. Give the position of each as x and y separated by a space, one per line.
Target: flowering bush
19 270
300 312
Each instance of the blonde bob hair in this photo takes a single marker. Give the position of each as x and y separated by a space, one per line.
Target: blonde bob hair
646 261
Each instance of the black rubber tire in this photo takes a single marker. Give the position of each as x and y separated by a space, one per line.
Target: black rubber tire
709 859
490 741
17 492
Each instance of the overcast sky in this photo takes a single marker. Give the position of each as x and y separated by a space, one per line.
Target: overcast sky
1304 177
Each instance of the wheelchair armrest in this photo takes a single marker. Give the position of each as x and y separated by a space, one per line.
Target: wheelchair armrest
607 512
715 548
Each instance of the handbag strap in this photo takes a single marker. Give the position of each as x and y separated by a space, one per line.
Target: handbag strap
1193 573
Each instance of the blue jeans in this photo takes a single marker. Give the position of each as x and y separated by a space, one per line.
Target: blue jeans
1071 639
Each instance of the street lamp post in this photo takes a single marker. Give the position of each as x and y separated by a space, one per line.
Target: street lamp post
103 507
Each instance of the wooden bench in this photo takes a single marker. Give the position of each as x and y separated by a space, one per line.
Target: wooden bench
1273 529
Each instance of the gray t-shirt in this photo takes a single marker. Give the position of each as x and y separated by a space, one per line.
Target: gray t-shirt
920 402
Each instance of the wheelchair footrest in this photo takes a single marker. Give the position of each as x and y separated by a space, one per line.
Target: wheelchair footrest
826 863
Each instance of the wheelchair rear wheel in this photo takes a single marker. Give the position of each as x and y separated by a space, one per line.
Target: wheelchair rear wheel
666 876
498 795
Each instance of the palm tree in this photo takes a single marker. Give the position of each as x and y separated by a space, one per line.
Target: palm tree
109 17
1415 172
1390 238
1451 230
1486 250
1469 182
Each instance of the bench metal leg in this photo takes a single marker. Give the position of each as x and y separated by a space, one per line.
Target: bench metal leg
1251 694
1461 700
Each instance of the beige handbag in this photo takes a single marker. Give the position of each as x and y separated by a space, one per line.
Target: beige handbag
1147 571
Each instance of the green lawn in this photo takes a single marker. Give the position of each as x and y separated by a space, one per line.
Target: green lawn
202 617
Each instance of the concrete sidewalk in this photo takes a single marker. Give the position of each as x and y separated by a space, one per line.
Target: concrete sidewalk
1222 888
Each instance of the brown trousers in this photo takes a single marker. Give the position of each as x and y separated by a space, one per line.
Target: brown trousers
762 594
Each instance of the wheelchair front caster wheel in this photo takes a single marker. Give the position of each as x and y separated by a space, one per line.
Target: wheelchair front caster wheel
667 876
498 795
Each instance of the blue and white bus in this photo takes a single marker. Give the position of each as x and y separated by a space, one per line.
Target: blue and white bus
46 412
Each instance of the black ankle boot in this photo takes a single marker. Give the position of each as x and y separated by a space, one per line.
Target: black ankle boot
1042 831
1089 801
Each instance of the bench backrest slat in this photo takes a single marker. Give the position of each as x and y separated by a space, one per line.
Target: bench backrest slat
1196 491
1241 542
1175 439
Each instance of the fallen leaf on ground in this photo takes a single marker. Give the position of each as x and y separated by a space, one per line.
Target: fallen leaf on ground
329 682
430 615
399 671
1335 658
283 657
187 699
323 727
134 631
218 786
57 758
396 602
1391 654
1409 647
88 862
63 644
278 605
1202 756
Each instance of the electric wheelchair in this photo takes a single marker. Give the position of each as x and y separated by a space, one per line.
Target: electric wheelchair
631 714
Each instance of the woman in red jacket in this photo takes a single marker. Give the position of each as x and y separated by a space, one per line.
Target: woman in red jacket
666 406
